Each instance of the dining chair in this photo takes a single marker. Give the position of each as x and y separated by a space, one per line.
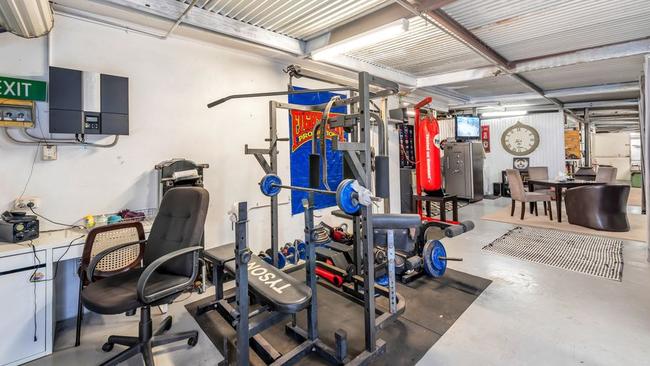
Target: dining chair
540 173
517 193
606 174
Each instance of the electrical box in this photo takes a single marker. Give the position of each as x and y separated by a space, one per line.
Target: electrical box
90 103
17 113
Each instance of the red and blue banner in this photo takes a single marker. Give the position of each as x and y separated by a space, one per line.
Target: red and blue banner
301 125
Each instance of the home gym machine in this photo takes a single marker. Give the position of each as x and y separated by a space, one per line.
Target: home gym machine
354 197
416 252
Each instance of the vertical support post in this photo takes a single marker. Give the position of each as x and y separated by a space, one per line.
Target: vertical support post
242 256
384 118
642 132
390 245
366 213
273 155
358 247
310 268
587 125
646 136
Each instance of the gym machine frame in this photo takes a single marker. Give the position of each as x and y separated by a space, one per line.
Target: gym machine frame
358 155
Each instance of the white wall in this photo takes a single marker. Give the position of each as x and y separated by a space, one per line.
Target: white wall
550 151
613 149
170 83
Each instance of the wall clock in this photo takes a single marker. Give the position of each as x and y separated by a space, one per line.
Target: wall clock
520 139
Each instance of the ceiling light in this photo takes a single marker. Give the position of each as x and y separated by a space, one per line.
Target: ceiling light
26 19
504 114
371 37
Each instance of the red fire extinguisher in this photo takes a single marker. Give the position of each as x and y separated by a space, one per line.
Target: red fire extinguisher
427 134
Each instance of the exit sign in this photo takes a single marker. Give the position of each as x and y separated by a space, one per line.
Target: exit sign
22 89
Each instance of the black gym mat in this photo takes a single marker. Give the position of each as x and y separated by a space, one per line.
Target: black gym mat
432 306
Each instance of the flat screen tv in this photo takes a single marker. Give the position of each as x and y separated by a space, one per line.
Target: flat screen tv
467 127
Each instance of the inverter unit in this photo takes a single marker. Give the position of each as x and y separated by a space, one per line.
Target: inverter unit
88 103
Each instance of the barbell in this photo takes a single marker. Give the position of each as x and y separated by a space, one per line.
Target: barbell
347 198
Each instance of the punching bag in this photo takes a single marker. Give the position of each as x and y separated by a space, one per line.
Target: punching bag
428 155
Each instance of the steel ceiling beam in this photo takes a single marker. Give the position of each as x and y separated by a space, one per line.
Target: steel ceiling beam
373 20
601 53
201 18
449 25
555 93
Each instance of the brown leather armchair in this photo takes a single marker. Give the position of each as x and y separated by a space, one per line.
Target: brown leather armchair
602 207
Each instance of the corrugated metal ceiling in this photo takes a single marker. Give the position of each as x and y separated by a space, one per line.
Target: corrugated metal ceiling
422 50
531 28
301 19
516 29
497 85
586 74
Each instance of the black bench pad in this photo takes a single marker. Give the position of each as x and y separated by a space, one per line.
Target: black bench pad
280 291
220 255
396 221
388 221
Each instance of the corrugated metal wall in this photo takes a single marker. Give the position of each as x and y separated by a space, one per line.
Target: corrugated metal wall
550 151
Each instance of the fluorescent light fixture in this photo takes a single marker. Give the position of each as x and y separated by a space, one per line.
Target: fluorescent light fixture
28 19
371 37
504 114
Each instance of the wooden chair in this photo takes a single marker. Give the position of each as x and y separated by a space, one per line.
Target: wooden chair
100 239
517 193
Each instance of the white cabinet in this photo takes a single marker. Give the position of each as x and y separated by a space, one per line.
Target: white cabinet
23 309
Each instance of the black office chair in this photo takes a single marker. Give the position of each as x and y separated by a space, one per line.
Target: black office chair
170 266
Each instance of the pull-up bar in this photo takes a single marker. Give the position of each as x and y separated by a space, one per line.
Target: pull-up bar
270 94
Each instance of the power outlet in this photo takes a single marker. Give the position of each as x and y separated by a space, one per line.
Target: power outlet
21 203
49 152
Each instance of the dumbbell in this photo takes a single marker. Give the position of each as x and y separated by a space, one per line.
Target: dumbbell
295 251
455 230
267 256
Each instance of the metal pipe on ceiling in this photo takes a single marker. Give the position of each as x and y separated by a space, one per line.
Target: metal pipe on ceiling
450 26
180 19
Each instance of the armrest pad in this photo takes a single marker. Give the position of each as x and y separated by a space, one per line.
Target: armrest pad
151 268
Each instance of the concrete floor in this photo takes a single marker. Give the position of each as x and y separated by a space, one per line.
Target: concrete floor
531 314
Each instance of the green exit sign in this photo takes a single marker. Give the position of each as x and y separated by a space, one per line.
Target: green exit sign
22 89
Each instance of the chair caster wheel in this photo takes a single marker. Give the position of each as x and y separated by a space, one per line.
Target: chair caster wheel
192 341
107 347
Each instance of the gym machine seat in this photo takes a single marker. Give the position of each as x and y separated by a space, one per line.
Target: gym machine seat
274 288
396 221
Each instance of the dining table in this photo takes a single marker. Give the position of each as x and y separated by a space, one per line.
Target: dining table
559 186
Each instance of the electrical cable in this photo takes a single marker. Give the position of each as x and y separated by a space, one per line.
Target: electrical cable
31 171
72 226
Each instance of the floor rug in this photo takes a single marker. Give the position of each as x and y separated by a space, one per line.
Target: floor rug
592 255
432 306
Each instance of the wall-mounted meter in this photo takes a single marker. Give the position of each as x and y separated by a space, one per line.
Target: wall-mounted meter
83 102
16 113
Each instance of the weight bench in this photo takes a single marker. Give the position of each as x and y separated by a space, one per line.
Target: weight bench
276 294
271 286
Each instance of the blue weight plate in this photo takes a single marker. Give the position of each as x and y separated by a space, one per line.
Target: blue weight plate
282 260
268 185
345 198
302 250
431 253
291 255
382 281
